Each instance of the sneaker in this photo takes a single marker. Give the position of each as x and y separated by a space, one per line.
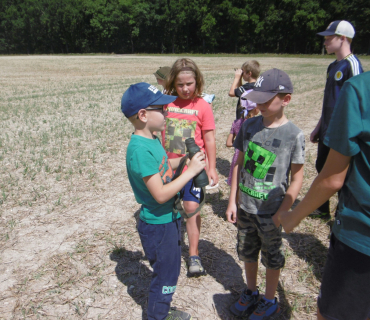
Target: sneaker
195 266
246 304
319 214
175 314
265 310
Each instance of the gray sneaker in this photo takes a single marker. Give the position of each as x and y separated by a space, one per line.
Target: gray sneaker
195 266
175 314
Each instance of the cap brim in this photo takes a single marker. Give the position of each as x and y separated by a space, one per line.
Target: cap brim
260 97
164 99
326 33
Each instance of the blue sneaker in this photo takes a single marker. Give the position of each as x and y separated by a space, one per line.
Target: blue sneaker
265 310
246 304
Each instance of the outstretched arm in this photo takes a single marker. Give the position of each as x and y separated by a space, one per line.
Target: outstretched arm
296 173
329 181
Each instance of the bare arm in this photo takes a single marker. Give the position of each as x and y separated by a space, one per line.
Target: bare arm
233 198
164 192
237 82
295 186
230 140
210 144
329 181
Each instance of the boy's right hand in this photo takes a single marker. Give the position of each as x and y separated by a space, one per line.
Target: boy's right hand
238 73
231 213
197 163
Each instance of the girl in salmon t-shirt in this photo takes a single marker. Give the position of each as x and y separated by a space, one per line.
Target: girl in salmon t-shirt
190 116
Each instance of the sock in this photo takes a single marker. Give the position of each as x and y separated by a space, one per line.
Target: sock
255 293
268 300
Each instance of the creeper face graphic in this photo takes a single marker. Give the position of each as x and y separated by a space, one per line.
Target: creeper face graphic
258 160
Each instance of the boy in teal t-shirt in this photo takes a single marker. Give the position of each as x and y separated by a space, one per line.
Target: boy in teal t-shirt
150 173
345 290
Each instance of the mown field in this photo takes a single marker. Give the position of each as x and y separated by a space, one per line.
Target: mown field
68 239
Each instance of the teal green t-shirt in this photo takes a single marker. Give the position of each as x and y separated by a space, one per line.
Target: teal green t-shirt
146 157
349 134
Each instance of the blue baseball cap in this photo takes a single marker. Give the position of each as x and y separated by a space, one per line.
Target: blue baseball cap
142 95
339 28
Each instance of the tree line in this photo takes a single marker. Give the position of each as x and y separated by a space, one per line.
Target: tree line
168 26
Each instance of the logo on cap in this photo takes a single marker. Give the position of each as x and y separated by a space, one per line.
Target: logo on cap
259 82
281 87
153 89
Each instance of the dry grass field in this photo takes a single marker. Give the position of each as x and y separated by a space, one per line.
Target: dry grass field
68 239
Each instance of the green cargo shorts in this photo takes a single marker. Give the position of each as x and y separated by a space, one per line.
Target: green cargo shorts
258 233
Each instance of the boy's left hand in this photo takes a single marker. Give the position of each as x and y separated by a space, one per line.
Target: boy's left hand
212 176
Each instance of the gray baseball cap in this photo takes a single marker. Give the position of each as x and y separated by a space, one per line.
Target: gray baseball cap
269 84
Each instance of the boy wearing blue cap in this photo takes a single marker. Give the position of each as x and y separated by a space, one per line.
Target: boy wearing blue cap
338 38
150 173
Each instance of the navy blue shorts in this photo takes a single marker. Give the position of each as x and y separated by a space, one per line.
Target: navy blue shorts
345 289
190 193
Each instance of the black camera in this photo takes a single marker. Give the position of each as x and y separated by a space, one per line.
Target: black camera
201 179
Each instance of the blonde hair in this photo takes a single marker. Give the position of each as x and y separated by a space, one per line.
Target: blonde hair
252 66
184 65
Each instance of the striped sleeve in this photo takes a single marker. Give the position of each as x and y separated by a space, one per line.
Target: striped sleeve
355 64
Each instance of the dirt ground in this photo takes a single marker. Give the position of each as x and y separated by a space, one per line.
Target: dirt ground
68 239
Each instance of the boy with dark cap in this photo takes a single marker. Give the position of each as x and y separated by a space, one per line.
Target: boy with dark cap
150 173
338 38
271 147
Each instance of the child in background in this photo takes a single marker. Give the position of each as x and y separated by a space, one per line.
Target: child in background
338 39
272 150
249 112
190 116
161 76
249 72
151 180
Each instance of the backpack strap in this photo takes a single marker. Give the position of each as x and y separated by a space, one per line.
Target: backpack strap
177 208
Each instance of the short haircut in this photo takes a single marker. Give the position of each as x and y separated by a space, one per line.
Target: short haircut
252 66
187 66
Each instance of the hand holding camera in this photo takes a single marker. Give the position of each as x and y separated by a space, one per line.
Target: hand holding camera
197 163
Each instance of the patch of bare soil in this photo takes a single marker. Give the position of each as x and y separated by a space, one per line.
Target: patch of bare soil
69 244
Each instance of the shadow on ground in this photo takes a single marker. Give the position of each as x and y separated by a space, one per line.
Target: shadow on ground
134 274
223 166
310 249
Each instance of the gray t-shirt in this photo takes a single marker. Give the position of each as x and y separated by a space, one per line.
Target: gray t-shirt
269 153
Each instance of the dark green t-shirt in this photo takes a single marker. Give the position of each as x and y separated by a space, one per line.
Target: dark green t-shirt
146 157
349 134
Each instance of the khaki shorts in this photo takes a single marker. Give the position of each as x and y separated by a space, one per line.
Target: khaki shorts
258 233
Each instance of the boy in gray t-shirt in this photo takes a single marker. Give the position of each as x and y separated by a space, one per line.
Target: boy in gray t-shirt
271 149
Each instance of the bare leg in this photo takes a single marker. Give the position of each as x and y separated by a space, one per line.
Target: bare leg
193 227
272 281
251 269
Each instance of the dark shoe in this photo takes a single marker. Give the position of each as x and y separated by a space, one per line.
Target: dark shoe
265 310
245 305
195 266
175 314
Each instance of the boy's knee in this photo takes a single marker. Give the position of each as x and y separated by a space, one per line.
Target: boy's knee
191 206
